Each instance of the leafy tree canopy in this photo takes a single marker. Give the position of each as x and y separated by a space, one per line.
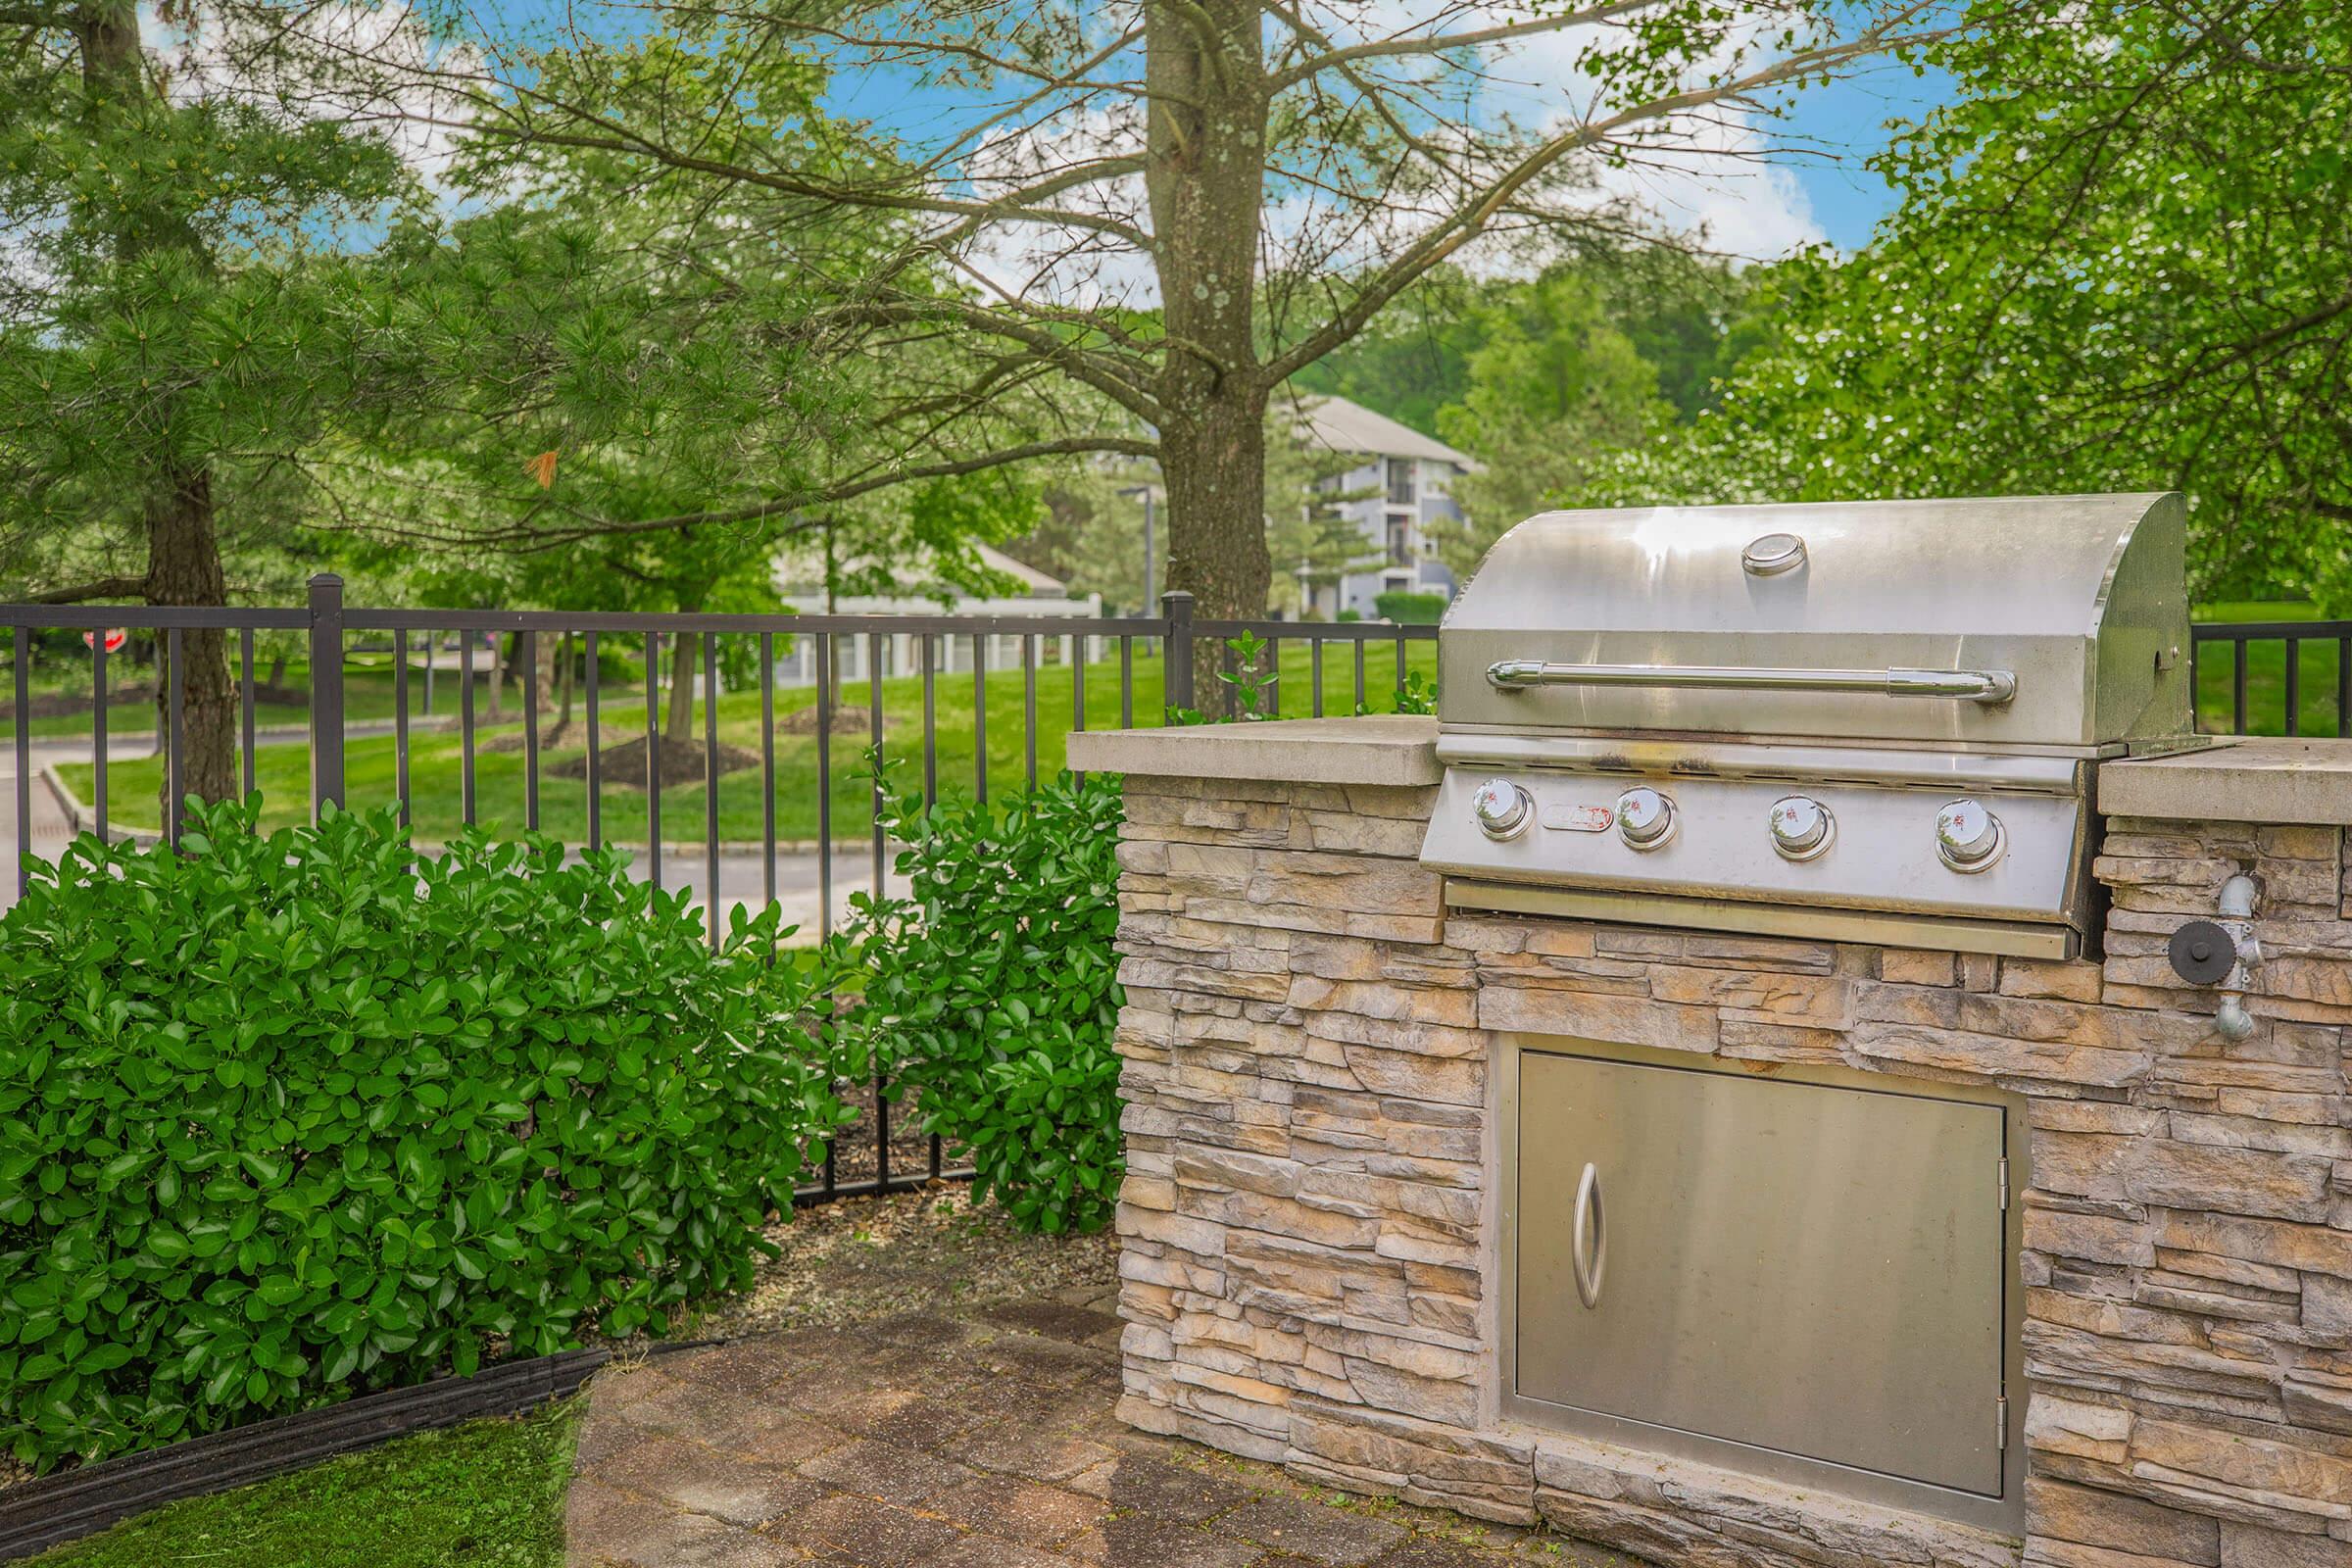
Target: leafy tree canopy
186 298
2119 265
1546 379
1555 386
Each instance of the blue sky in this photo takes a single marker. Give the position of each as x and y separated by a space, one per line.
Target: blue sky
1848 118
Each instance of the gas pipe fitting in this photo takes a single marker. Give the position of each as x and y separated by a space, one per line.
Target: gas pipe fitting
2205 953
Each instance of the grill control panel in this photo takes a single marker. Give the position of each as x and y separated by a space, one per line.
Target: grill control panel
1908 847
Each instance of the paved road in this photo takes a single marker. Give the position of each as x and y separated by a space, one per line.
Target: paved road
49 831
741 877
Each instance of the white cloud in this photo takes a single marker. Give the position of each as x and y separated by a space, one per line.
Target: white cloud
367 66
1706 176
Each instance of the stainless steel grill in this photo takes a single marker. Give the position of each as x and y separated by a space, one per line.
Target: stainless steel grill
1868 721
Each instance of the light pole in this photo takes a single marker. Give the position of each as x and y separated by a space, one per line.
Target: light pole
1150 495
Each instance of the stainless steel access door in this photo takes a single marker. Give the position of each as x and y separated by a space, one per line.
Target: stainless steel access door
1808 1269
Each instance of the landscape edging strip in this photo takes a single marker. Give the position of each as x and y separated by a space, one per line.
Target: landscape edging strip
54 1510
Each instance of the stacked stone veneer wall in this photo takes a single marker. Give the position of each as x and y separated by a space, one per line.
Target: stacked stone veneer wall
1306 1223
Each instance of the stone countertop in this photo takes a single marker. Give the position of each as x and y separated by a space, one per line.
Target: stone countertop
1394 749
2236 780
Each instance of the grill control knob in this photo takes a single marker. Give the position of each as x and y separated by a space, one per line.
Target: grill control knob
1968 837
1801 827
1645 817
1502 808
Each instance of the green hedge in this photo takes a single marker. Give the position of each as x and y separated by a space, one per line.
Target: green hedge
286 1119
992 992
1408 609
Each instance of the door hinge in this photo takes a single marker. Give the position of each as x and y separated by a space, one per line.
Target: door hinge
2000 1407
2004 1184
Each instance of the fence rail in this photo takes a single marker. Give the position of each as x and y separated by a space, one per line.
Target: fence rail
332 630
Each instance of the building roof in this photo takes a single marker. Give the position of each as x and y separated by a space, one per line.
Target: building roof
1041 584
1346 426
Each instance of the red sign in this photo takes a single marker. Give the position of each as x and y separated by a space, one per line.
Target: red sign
115 637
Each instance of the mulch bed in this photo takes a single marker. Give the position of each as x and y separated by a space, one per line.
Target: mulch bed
853 1144
858 1258
561 736
847 721
681 762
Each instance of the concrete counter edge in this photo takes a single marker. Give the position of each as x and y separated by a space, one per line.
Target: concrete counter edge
2236 780
1380 749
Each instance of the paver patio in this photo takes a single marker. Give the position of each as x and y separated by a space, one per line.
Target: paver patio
985 1442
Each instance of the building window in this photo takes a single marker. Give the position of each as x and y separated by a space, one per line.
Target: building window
1401 481
1401 538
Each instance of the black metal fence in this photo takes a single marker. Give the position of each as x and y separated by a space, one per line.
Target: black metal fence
2274 677
927 648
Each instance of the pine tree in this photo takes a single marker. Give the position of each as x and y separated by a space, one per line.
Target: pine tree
182 316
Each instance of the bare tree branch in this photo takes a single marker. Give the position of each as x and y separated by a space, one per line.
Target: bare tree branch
1450 42
1472 218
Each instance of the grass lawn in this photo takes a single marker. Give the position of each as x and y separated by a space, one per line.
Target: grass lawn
489 1494
2266 675
367 696
283 772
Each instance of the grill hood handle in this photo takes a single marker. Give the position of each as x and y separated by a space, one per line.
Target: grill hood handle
1960 685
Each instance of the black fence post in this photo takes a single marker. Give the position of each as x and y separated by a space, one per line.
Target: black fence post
326 692
1176 659
23 739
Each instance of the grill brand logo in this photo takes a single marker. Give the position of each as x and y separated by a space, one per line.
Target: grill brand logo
1579 818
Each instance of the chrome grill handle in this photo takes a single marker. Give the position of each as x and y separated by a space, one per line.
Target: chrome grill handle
1988 686
1587 1242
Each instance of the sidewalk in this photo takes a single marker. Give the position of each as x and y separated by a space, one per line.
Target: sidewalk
50 828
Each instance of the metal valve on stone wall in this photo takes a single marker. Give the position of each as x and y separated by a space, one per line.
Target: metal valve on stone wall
2222 953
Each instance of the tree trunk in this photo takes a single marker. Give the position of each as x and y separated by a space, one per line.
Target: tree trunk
184 567
1204 174
678 729
183 548
1215 468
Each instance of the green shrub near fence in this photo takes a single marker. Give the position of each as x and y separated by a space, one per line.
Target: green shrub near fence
290 1117
992 992
1406 608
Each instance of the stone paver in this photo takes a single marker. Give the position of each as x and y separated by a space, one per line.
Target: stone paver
933 1441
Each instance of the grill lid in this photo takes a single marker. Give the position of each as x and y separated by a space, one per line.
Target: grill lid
2043 620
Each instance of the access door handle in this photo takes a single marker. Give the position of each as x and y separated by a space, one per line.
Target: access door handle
1588 1241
